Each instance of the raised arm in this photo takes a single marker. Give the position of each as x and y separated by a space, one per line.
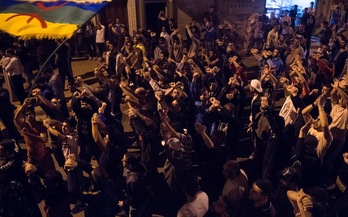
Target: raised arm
171 130
53 131
337 90
102 144
19 115
323 118
201 129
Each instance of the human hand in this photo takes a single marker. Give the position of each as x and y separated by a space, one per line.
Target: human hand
314 92
84 93
216 103
200 128
319 101
159 95
345 157
95 119
216 69
304 129
283 80
36 92
196 75
29 169
336 83
304 200
131 113
46 122
155 67
71 162
77 95
26 102
123 84
102 108
209 70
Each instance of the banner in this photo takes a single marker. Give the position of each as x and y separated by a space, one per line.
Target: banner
28 19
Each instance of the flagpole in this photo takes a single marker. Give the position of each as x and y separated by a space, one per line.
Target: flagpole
48 59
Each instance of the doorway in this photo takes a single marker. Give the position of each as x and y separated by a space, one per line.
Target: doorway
152 10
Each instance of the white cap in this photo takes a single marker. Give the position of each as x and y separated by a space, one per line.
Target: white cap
256 84
174 144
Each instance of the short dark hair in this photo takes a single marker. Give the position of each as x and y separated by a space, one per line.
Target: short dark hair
11 51
71 121
265 185
53 177
7 145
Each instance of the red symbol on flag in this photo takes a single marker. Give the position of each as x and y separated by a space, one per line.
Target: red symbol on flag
42 6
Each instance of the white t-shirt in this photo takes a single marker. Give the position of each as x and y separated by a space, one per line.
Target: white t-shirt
196 208
323 143
70 146
100 35
339 122
14 67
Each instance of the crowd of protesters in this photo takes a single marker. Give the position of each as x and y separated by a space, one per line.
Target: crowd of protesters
188 106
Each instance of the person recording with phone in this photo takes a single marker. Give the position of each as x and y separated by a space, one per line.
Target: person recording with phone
35 136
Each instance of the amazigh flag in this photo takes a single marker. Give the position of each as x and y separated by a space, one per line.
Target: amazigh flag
46 19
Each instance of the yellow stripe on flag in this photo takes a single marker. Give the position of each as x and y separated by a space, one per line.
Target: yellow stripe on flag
26 27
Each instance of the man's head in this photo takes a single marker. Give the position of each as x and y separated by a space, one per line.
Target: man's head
135 40
115 80
310 144
212 84
53 179
212 9
285 24
85 105
68 125
276 53
30 114
129 45
325 23
56 103
10 52
264 102
275 27
326 90
316 123
260 191
255 86
301 26
140 92
7 150
273 21
231 169
204 95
